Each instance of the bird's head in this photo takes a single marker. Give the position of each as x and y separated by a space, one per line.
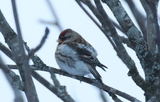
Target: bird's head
67 36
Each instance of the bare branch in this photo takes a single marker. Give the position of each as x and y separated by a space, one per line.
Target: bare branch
135 38
24 70
6 51
55 80
93 82
153 32
32 51
96 13
57 89
47 22
57 22
147 60
102 95
146 47
104 19
141 20
126 41
117 26
35 58
15 79
60 91
17 92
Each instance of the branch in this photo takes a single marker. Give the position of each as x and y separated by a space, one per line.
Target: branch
126 41
141 20
55 80
96 13
47 22
93 82
6 51
24 70
59 91
103 96
32 51
153 32
146 58
12 40
104 19
57 22
15 79
17 93
148 61
117 26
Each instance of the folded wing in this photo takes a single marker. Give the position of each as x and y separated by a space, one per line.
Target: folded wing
89 55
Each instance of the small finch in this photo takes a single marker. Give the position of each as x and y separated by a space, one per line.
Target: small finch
76 56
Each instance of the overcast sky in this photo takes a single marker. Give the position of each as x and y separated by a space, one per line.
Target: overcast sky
71 16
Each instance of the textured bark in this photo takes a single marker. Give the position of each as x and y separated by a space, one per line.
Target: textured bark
145 41
11 38
145 51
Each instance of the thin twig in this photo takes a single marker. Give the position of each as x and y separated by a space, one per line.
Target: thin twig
93 82
103 96
25 69
47 22
16 18
17 93
32 51
6 51
54 15
152 29
140 18
38 63
15 79
57 23
117 26
105 32
147 60
60 91
126 41
55 80
104 19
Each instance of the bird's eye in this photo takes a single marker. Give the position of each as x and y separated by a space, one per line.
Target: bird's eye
64 37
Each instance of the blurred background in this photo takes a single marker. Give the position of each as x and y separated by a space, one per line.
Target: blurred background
32 14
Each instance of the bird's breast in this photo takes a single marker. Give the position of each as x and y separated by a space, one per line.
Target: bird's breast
68 60
65 49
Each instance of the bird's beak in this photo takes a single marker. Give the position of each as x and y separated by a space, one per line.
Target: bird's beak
59 41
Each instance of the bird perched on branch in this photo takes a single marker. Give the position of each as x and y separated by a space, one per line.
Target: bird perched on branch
76 56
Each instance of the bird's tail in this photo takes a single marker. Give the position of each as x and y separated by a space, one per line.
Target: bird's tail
99 64
95 74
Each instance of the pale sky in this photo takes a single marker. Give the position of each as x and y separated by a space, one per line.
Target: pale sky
71 16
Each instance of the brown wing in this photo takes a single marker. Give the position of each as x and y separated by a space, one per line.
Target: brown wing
85 54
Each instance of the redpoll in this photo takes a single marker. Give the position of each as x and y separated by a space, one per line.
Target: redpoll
76 56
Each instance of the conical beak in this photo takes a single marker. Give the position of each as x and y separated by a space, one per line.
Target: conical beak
59 41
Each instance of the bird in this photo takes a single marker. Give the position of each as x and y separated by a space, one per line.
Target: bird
76 56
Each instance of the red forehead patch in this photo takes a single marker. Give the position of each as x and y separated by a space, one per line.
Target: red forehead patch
64 32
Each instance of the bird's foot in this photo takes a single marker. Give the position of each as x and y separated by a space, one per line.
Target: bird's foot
81 78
